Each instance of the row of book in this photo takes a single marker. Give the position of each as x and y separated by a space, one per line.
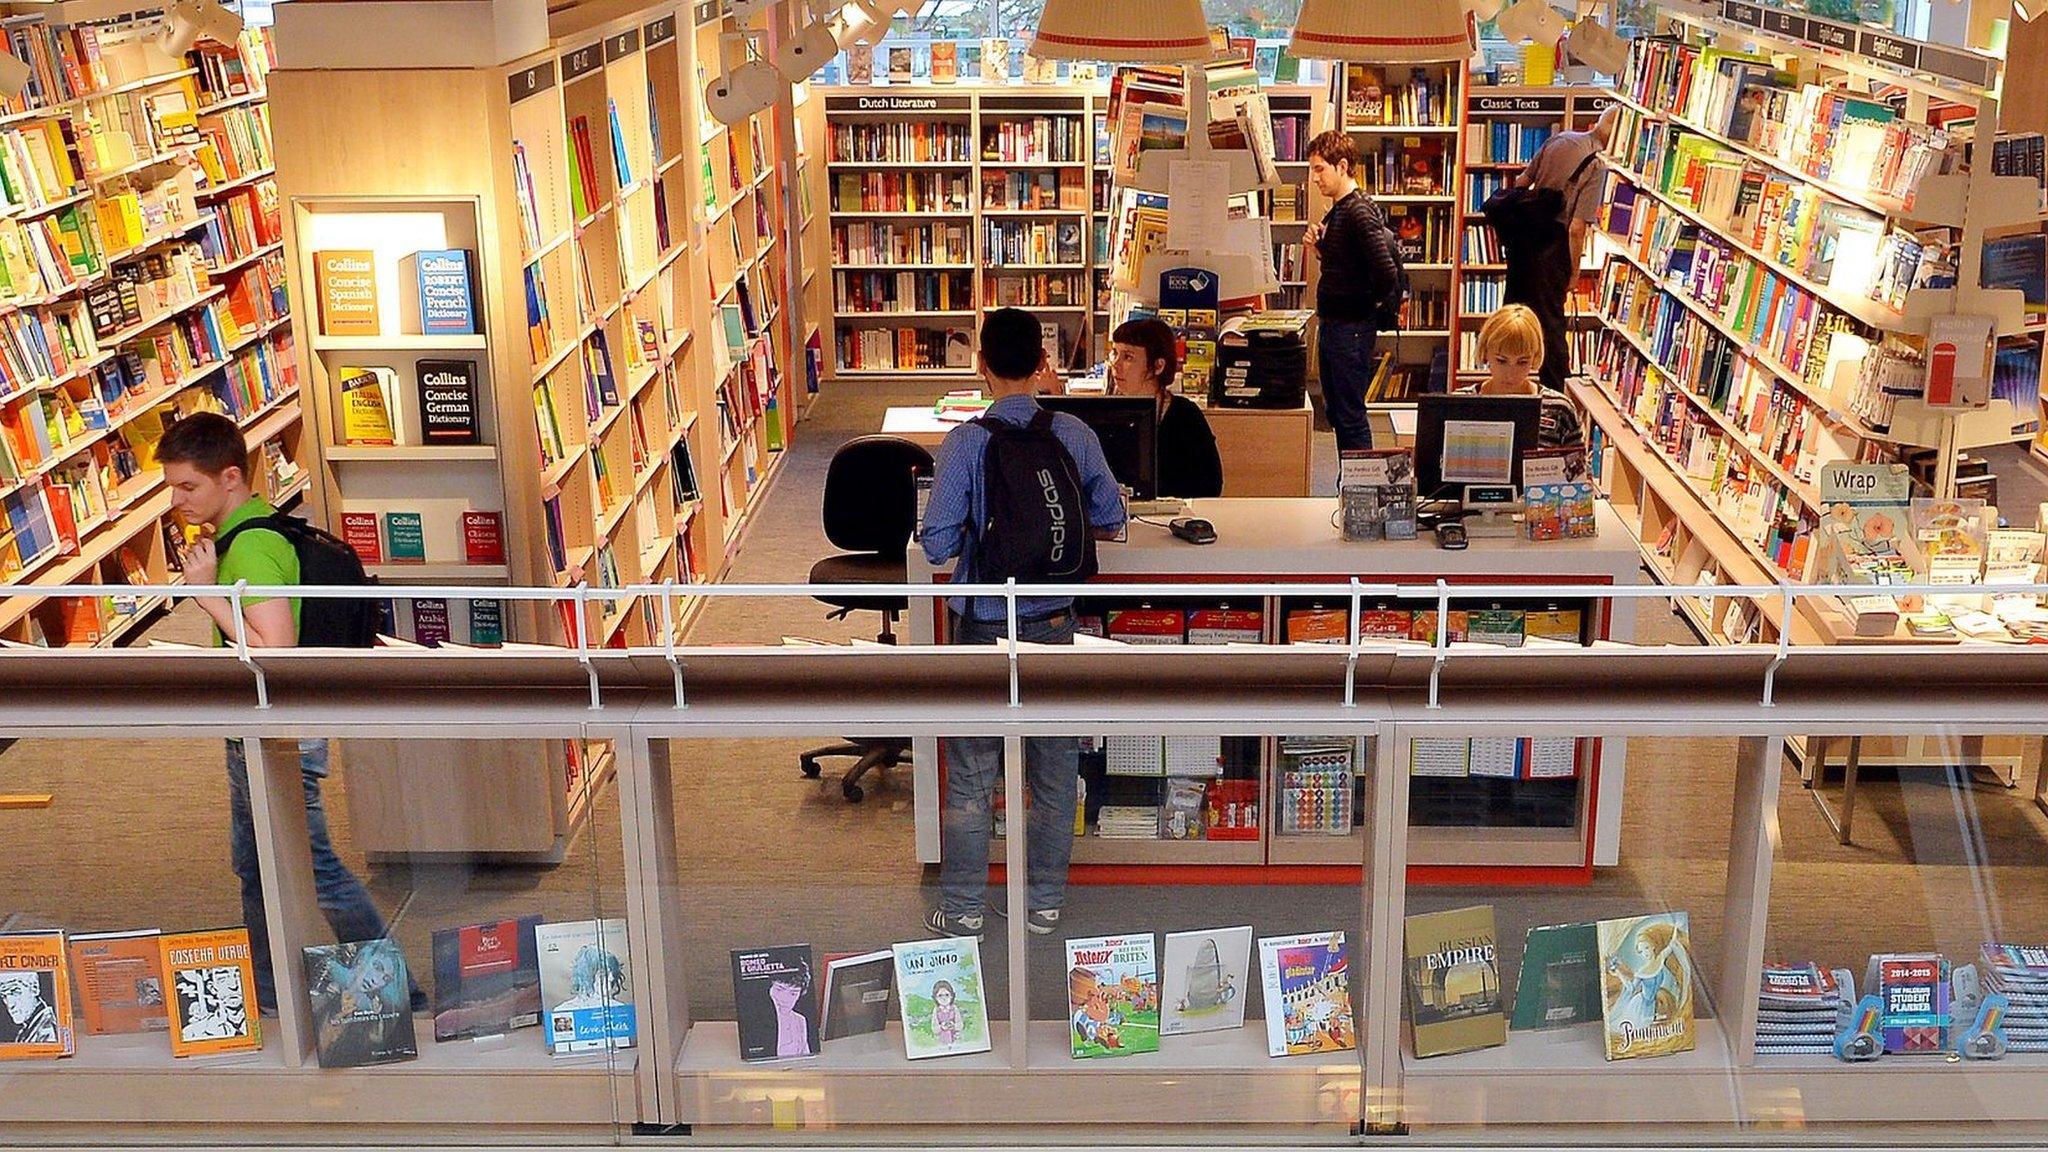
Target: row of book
1376 95
1022 243
1481 294
1505 141
901 192
241 223
875 291
900 142
1037 140
1585 346
863 242
1422 233
908 348
37 165
1066 190
1038 289
1403 166
198 989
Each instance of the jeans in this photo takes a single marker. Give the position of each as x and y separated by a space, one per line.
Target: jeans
1542 279
1052 765
1344 351
343 899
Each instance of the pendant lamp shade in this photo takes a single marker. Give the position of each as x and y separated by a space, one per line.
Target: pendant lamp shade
1381 31
1120 31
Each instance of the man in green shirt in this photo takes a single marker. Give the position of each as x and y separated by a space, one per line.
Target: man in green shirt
205 463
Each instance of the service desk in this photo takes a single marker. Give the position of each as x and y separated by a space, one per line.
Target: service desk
1283 540
1265 451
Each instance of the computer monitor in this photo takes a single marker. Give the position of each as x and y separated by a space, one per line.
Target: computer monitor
1463 439
1128 427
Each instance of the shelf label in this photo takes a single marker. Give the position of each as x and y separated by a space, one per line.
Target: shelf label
707 12
1782 23
1840 37
898 103
531 81
1750 14
1546 104
1889 49
1968 67
582 62
1053 104
660 32
621 46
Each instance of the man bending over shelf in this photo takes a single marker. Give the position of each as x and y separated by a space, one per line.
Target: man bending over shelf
205 463
1569 163
991 541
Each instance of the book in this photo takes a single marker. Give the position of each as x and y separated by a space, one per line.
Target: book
430 624
945 62
486 622
1454 1000
360 999
941 998
772 994
359 531
585 991
448 402
486 976
212 992
345 280
405 538
365 404
1307 985
1646 985
899 64
35 997
444 301
1112 996
1205 976
855 997
120 982
483 536
1914 990
1559 985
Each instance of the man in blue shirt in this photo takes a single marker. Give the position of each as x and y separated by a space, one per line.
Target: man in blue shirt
1012 361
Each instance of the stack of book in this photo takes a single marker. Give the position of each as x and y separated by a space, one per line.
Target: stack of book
1127 822
1797 1008
2021 972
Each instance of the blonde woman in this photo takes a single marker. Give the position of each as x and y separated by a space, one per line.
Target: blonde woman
1511 350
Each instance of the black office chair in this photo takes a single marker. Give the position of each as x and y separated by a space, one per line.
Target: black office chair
870 510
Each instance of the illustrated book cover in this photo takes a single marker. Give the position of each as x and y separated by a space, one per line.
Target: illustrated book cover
1112 996
776 1002
120 982
361 1004
586 992
35 997
486 976
1205 977
1307 984
213 992
1646 985
941 997
1454 1000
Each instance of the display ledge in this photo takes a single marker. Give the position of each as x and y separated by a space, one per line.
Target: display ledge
1563 1077
231 185
509 1080
1094 849
899 164
398 342
1214 1077
241 261
1821 1089
409 452
1402 129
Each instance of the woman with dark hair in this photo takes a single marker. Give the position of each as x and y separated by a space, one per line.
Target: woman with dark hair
1144 358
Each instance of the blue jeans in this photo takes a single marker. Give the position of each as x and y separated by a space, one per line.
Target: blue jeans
1344 351
1052 764
343 899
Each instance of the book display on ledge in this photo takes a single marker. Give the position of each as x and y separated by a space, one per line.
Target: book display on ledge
1786 247
143 280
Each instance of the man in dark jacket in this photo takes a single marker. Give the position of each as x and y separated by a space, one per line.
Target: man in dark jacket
1358 280
1541 276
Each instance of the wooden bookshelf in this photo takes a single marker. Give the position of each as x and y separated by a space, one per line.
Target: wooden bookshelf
624 441
1718 468
185 211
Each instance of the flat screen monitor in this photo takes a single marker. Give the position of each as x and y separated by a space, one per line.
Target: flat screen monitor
1128 427
1463 439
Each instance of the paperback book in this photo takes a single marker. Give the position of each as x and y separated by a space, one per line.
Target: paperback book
776 1004
1646 985
1560 984
366 405
35 997
486 976
1307 984
1454 1001
1206 975
585 990
213 992
120 982
856 994
361 1004
941 997
1112 996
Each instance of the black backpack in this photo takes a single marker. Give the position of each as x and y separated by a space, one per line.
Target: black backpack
1397 292
1526 218
1037 526
323 560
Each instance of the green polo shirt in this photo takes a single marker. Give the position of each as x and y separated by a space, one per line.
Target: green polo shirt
260 556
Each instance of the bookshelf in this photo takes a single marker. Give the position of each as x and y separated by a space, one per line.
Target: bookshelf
143 281
1504 126
1741 355
813 271
1407 121
1297 113
623 431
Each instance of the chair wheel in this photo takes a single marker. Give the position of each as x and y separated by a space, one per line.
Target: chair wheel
809 766
853 792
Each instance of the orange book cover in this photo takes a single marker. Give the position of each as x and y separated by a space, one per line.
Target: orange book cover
35 997
120 982
212 992
346 281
